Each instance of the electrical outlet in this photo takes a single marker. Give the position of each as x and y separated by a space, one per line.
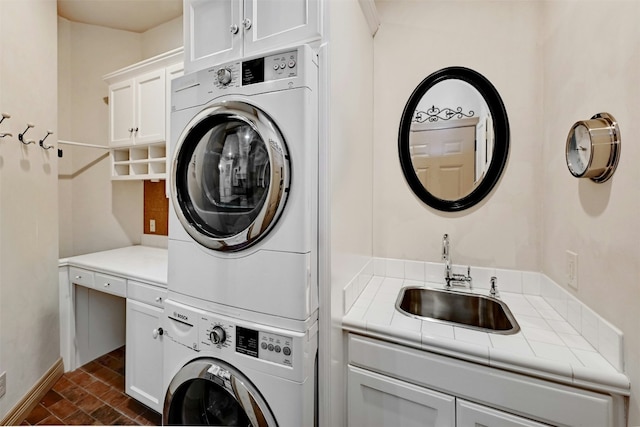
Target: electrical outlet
3 383
572 269
152 225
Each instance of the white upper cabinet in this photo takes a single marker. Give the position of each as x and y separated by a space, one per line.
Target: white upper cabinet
217 31
139 116
137 110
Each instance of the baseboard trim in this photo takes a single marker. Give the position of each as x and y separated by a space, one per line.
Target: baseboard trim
22 409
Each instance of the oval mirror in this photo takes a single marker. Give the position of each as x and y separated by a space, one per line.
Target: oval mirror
454 139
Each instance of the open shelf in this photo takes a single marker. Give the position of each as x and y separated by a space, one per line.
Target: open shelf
139 162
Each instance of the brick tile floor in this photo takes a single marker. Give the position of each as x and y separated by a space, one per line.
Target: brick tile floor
92 395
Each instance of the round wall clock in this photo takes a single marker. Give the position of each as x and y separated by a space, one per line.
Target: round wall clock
593 148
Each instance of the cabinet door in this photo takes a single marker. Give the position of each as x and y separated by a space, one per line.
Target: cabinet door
377 400
143 378
474 415
121 113
150 91
212 32
279 23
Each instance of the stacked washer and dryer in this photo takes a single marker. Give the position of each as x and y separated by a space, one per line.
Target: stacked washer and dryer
240 323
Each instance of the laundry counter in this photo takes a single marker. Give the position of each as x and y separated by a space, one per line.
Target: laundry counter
112 298
143 263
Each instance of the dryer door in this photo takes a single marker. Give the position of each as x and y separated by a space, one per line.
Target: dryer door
230 176
211 392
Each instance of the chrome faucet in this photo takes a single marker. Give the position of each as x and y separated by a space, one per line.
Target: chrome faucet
452 279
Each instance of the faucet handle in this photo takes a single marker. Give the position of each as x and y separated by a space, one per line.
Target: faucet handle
494 287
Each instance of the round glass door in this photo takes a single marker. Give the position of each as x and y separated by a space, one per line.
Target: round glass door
230 176
210 392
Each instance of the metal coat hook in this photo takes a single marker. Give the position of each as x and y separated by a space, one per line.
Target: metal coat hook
21 135
5 116
42 144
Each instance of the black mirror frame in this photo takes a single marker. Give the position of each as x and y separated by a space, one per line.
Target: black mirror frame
501 138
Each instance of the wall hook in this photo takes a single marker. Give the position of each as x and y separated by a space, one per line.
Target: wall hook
4 116
21 135
42 144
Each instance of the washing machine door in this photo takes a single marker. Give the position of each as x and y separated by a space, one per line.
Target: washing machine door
211 392
230 176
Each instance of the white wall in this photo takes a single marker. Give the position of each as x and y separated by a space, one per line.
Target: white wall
414 40
96 213
349 196
591 63
29 343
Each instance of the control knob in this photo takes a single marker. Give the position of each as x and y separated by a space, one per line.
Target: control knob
217 335
224 76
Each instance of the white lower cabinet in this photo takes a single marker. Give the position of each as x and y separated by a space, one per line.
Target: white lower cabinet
474 415
393 385
376 400
143 376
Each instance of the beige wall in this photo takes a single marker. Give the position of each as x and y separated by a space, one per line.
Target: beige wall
29 343
349 180
499 39
553 62
95 213
591 62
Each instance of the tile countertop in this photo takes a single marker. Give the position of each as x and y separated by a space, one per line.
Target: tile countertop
546 347
144 263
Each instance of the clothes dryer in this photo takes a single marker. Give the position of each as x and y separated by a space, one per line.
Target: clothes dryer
225 371
244 180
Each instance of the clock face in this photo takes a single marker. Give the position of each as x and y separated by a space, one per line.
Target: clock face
579 150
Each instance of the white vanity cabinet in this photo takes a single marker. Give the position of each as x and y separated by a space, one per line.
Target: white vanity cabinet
144 335
224 30
377 400
390 384
138 116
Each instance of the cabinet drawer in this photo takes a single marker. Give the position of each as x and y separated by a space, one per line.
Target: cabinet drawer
110 284
149 294
81 277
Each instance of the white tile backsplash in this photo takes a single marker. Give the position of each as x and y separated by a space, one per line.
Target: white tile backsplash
509 280
414 270
395 268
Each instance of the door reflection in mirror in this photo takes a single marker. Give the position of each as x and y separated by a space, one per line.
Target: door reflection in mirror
451 139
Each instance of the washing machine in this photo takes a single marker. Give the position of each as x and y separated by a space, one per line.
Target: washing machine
226 371
244 185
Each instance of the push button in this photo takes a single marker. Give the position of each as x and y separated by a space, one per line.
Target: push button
278 349
263 345
283 65
292 63
286 351
270 347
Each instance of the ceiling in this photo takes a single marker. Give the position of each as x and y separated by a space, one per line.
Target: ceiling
130 15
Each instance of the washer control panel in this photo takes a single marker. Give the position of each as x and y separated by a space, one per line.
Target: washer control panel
223 335
252 71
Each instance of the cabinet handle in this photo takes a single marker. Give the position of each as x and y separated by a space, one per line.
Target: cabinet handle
234 29
158 299
130 130
157 332
247 23
135 130
78 277
107 284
